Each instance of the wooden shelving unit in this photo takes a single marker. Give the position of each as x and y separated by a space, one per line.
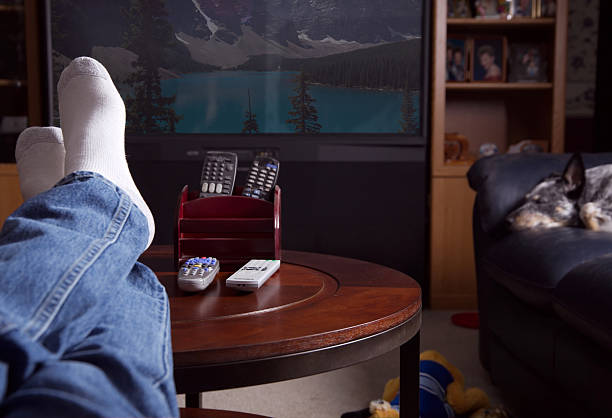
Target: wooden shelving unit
11 8
475 86
502 113
4 82
453 23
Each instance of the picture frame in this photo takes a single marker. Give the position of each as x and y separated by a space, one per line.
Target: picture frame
488 58
546 8
527 63
457 58
524 8
459 9
491 9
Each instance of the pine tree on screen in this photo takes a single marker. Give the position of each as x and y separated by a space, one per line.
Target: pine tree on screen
409 122
149 33
250 125
304 114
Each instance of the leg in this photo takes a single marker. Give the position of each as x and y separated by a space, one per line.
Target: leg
409 378
82 327
88 331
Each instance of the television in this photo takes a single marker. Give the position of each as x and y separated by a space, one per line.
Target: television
337 90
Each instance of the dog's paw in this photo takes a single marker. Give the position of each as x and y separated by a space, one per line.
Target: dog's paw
594 217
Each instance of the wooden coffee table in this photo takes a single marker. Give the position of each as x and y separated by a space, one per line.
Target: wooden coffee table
317 313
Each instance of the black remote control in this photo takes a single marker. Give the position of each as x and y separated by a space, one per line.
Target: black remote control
262 178
218 173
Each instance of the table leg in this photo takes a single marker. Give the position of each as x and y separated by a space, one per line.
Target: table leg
192 400
409 378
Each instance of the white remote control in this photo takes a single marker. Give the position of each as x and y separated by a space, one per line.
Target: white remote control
197 273
253 274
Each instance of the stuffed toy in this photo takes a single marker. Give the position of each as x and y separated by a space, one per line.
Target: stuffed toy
441 392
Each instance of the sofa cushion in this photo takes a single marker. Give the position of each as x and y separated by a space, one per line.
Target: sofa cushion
583 298
531 263
582 370
503 180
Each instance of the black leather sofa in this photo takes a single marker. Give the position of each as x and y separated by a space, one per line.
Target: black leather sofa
544 297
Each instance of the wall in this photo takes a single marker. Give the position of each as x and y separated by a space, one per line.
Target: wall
582 40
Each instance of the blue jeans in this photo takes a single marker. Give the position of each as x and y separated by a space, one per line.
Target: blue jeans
84 327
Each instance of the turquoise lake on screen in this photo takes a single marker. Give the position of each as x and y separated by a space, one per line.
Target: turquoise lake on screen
216 102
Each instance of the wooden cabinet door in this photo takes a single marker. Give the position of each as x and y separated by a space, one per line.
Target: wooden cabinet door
453 276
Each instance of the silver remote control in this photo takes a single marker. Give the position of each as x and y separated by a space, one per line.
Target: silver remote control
253 274
218 173
197 273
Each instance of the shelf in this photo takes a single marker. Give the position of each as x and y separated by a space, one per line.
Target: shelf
452 170
498 86
11 8
5 82
501 23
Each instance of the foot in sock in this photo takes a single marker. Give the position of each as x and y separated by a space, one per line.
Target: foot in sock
40 157
92 117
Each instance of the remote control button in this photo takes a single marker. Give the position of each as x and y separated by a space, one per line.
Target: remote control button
204 187
211 187
219 188
272 166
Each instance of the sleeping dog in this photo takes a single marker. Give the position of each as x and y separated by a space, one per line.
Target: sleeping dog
576 197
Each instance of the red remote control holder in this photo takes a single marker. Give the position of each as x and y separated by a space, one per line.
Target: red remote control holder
233 229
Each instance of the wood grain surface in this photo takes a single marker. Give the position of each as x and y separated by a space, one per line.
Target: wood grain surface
313 301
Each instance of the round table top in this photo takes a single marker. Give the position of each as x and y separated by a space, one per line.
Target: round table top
313 301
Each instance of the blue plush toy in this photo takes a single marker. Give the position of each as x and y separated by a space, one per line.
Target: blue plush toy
441 392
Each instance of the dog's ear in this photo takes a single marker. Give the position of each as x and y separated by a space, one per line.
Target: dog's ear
574 176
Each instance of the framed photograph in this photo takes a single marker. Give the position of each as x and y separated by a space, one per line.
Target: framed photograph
456 58
491 9
547 8
459 8
488 59
527 62
524 8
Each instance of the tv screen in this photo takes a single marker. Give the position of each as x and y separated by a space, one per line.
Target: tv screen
253 66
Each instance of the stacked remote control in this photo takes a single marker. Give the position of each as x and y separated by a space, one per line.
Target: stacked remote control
253 274
218 173
197 273
262 178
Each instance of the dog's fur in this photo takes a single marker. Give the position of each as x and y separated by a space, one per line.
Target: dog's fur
578 197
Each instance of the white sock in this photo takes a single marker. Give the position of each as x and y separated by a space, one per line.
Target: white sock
92 116
40 159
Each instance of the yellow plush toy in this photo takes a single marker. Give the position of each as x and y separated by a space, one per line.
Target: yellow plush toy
435 373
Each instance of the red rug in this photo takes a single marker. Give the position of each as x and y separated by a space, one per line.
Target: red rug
466 319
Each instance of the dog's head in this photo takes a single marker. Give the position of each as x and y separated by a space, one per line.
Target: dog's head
553 201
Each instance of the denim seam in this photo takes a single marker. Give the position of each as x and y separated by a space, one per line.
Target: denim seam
54 301
166 319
